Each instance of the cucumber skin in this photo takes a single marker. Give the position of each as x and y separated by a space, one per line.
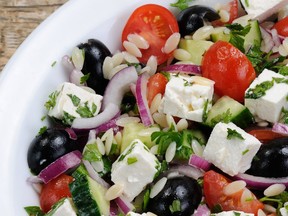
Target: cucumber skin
81 197
244 120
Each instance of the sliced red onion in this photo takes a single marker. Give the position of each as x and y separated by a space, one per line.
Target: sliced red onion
109 113
258 182
267 42
114 211
66 61
94 175
133 89
199 162
141 99
61 165
183 68
186 170
124 205
118 86
275 37
110 124
280 128
34 180
71 133
75 77
202 210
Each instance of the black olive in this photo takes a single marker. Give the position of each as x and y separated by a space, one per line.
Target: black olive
271 160
95 53
192 18
180 196
49 146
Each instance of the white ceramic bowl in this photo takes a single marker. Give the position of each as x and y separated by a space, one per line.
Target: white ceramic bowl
28 79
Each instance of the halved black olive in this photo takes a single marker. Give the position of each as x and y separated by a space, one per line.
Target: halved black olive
271 160
192 18
49 146
179 197
95 54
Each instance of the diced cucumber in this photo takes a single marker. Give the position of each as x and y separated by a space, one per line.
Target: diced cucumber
254 37
196 48
227 110
219 34
88 196
131 132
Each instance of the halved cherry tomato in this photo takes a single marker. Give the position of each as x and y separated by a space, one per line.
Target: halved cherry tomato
55 190
229 68
155 24
232 8
282 27
214 184
265 134
156 84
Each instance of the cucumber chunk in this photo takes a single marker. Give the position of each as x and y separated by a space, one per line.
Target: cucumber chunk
227 110
88 196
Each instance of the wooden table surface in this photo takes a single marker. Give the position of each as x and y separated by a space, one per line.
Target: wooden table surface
18 18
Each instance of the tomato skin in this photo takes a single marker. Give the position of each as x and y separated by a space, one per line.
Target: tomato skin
265 134
282 27
229 68
156 84
55 190
155 24
232 8
214 184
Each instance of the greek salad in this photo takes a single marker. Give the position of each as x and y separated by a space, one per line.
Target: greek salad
189 117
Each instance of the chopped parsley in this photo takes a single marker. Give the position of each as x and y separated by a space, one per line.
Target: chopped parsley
247 3
34 211
146 199
224 117
67 118
231 134
43 118
259 90
284 115
205 111
283 70
42 130
85 112
245 152
175 206
236 213
181 4
75 100
53 64
131 160
50 104
84 78
92 153
237 33
278 199
122 156
187 83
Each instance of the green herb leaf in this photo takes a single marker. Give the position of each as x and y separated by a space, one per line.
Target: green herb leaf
237 33
181 4
34 211
50 104
131 160
94 108
247 3
283 70
42 130
284 116
231 134
84 111
259 90
53 64
205 111
91 153
245 152
67 118
175 206
84 78
146 199
223 117
75 100
237 213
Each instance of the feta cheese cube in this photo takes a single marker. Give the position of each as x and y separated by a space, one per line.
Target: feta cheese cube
261 9
134 169
66 208
269 106
73 101
186 97
230 148
232 213
284 211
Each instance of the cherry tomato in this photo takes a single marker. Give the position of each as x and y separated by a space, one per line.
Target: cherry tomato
55 190
282 27
232 8
155 24
265 134
214 184
156 84
229 68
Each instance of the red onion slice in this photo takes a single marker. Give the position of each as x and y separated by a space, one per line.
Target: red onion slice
275 37
109 113
71 133
118 86
267 42
186 170
67 63
280 128
110 124
202 210
114 211
258 182
61 165
183 68
124 205
199 162
141 99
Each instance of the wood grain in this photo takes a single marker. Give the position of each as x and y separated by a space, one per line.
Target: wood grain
18 18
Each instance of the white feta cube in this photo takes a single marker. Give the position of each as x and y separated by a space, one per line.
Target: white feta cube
261 9
269 106
230 148
232 213
73 101
284 211
186 97
66 208
134 169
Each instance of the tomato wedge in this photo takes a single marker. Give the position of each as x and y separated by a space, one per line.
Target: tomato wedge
214 184
232 8
55 190
155 24
229 68
282 27
265 134
156 84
